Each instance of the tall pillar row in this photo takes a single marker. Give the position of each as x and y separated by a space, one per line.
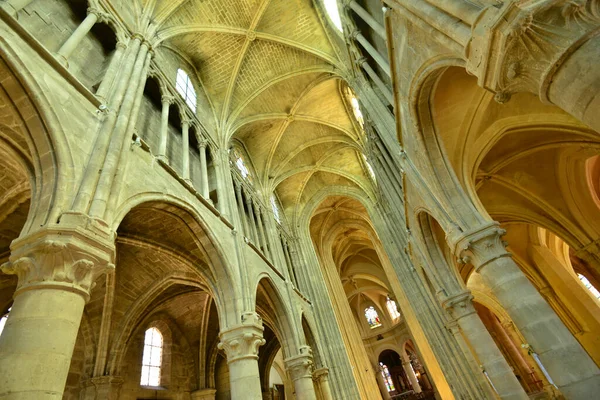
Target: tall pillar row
571 368
55 272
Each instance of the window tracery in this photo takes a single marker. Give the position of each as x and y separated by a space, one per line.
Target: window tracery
392 308
152 358
589 286
387 378
372 317
185 88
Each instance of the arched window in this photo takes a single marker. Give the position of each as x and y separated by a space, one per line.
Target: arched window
372 317
152 359
334 13
241 165
589 286
3 319
355 106
275 208
392 308
387 378
185 88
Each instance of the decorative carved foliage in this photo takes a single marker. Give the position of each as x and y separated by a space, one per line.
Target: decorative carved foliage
243 341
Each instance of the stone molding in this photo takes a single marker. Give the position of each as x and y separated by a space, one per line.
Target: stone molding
59 259
460 305
301 365
480 246
520 47
242 341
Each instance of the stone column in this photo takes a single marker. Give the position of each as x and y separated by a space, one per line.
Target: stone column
410 372
164 126
14 6
241 344
204 394
185 156
321 377
368 18
240 202
381 383
56 270
252 218
300 369
379 59
261 232
499 372
571 368
204 191
102 387
111 73
76 37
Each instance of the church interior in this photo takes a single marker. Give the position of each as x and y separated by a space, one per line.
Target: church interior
299 199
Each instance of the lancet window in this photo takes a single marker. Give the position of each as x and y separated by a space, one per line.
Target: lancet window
275 208
152 358
185 88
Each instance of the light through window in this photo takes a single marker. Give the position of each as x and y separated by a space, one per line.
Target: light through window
275 208
334 13
392 308
241 165
387 378
3 321
369 168
589 286
372 317
152 359
355 106
185 88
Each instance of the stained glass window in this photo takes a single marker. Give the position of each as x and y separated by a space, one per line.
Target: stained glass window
589 286
185 88
334 13
372 317
3 321
275 208
392 308
152 359
387 378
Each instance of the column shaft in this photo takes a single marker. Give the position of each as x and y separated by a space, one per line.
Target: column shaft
379 59
380 84
410 373
381 383
111 73
261 231
571 368
252 218
76 37
204 171
164 127
368 18
185 149
238 196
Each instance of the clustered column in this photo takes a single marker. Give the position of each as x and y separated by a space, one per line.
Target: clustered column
56 271
241 344
571 368
300 369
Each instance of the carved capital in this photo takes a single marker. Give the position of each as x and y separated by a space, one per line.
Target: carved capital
520 47
58 260
460 305
242 341
167 99
300 366
321 374
481 246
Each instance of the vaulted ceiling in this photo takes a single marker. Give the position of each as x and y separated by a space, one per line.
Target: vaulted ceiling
272 76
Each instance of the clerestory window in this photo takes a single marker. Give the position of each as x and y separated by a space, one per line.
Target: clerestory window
334 13
185 88
589 286
3 319
152 358
372 317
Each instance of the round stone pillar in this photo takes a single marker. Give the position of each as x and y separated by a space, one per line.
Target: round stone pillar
300 369
56 271
321 377
241 344
568 364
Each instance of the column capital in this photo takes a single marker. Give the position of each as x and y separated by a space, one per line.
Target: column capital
321 374
300 366
102 16
459 305
242 341
517 49
59 259
167 99
480 246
